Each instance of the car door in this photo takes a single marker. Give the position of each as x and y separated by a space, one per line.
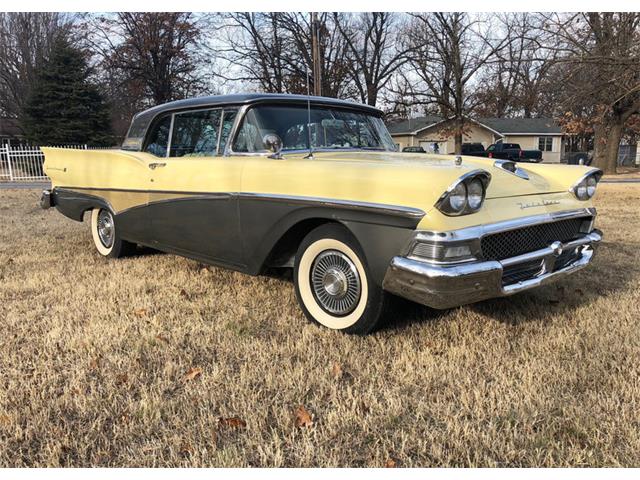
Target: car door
192 198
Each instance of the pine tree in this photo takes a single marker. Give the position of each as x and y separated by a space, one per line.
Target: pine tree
64 106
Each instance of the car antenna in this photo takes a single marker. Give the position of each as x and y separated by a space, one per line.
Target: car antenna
310 155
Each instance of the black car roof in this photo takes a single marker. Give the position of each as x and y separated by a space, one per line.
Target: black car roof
247 98
142 120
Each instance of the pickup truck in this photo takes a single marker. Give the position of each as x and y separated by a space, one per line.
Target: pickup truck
512 151
505 151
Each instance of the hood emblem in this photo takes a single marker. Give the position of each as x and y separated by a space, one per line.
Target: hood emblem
543 203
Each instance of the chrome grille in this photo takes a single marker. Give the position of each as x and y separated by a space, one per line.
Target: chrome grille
499 246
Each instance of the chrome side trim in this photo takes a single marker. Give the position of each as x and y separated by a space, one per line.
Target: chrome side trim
408 212
398 210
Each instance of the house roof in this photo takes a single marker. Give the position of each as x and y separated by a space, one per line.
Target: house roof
413 125
523 125
503 126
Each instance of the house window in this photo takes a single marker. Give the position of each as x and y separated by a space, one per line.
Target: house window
545 144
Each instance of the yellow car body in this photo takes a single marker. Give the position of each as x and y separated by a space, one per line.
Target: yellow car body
251 211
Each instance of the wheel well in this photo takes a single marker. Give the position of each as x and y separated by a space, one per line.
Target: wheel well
284 251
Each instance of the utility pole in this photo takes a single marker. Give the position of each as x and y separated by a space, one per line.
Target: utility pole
315 55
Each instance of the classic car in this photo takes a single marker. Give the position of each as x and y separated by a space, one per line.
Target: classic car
258 182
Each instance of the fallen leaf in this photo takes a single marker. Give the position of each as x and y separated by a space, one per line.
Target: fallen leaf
93 364
391 463
121 379
140 312
232 422
336 370
303 417
162 338
186 448
183 293
192 374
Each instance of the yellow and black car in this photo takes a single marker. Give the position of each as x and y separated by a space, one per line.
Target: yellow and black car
251 182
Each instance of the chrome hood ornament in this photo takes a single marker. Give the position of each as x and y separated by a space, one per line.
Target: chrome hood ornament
512 168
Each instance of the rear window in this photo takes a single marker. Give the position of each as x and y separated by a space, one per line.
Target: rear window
510 146
135 135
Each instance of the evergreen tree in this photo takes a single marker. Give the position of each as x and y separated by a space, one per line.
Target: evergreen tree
64 106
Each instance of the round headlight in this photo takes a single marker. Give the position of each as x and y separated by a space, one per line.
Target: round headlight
581 190
591 186
458 197
475 192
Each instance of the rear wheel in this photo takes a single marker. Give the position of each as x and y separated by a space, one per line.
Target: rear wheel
105 236
333 284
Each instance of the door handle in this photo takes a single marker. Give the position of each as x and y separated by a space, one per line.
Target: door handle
155 165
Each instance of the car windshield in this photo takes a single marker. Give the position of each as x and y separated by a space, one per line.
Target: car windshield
326 127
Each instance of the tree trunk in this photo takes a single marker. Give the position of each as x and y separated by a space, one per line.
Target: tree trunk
607 137
459 129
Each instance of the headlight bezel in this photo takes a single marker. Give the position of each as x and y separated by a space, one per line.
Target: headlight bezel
584 189
444 204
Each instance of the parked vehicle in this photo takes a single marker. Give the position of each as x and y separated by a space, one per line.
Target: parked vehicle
254 182
579 158
413 150
473 149
513 152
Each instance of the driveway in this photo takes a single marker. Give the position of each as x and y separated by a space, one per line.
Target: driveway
24 185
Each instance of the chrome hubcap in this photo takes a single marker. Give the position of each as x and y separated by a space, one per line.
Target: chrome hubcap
105 228
336 282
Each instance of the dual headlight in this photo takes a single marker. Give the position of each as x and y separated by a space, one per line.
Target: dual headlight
585 188
466 195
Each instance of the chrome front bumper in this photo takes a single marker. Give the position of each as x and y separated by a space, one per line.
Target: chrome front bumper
447 286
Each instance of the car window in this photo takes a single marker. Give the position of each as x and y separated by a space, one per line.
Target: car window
158 137
325 127
491 148
195 134
228 117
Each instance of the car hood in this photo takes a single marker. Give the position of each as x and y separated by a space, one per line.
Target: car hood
442 170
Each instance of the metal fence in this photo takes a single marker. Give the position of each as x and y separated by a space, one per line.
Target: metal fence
24 163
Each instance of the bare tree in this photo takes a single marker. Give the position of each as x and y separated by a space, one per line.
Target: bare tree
156 51
448 51
273 51
519 81
600 62
374 45
26 40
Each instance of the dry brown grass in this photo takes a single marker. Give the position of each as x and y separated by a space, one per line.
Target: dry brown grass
134 362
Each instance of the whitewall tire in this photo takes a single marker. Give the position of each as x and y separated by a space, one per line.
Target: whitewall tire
333 284
106 237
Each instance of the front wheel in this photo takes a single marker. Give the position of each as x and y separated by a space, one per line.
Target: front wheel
333 284
105 236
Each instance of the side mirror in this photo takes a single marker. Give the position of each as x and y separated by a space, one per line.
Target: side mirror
274 144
